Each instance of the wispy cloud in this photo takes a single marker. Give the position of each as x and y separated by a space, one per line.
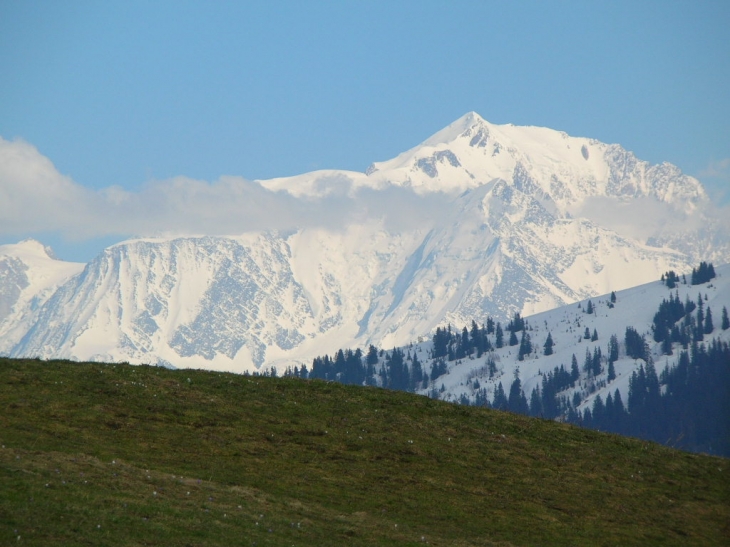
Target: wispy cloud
717 170
35 197
716 178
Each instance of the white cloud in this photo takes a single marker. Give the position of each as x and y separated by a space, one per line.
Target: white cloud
645 218
35 197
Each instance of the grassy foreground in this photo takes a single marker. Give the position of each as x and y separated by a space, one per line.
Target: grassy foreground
122 455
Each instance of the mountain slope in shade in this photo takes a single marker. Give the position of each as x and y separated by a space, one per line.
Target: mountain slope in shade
522 227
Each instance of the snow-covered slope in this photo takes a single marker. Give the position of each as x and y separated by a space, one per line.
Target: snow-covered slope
29 275
519 229
634 307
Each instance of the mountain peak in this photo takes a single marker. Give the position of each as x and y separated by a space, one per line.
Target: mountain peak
28 248
470 123
546 163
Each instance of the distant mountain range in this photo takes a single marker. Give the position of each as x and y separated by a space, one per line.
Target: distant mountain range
520 219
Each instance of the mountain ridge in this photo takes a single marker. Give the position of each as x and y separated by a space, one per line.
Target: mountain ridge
512 233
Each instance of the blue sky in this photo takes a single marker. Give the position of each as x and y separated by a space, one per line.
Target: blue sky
125 93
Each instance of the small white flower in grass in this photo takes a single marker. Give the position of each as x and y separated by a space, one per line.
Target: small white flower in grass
154 493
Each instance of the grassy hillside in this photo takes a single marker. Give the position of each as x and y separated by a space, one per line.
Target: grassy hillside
121 455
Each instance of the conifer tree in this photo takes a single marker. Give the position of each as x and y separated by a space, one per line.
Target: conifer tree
372 356
416 373
703 274
598 413
613 349
517 401
492 366
476 339
517 324
667 345
588 362
589 308
636 346
574 372
594 336
587 334
618 404
613 297
513 339
438 369
525 346
709 327
441 341
611 372
535 403
499 336
596 362
548 347
463 346
725 320
500 399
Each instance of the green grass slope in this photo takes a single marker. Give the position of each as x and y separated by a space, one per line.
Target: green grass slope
121 455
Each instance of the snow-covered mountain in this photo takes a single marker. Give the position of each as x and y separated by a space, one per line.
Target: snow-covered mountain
29 276
529 219
567 325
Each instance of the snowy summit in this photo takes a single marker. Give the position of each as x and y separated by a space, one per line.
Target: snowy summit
513 219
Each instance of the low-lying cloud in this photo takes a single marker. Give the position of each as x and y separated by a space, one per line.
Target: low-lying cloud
35 198
646 218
